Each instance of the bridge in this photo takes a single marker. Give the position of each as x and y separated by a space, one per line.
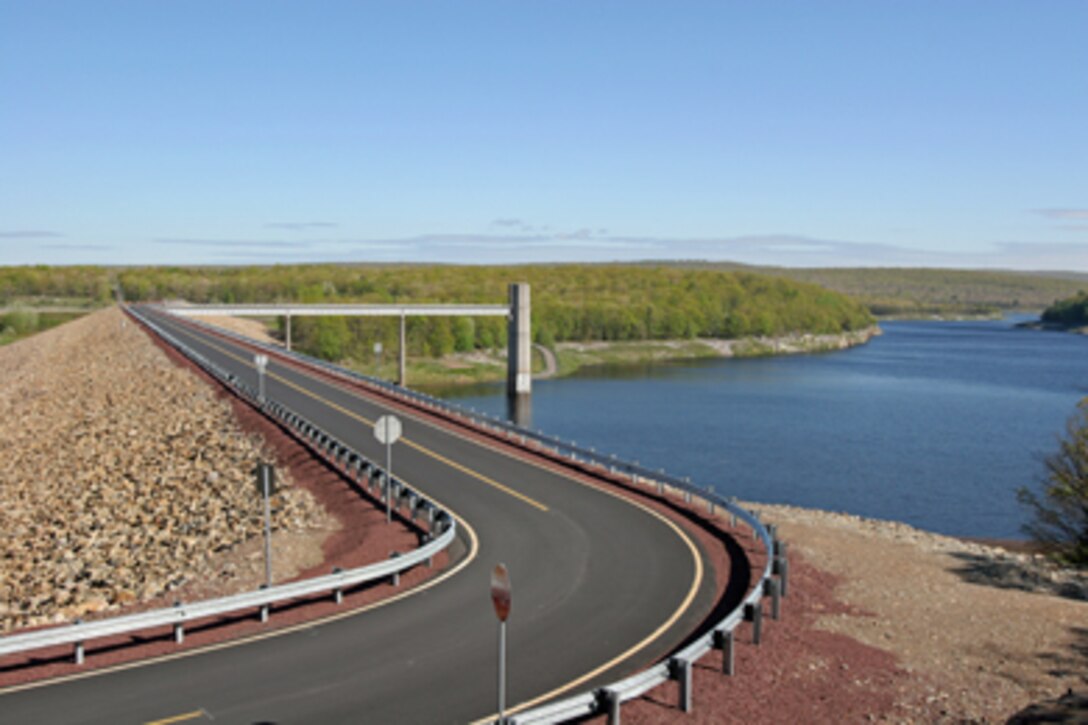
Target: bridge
519 336
607 583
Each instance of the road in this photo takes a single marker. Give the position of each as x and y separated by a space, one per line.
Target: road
601 587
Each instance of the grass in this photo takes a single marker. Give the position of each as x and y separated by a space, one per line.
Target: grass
31 324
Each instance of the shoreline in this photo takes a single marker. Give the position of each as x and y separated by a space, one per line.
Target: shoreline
480 367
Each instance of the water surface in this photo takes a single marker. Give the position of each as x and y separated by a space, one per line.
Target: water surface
933 423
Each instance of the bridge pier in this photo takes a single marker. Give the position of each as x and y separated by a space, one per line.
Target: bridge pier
519 371
403 365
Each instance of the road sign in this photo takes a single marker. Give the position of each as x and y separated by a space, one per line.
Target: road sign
377 348
500 592
500 597
266 485
387 429
266 474
261 361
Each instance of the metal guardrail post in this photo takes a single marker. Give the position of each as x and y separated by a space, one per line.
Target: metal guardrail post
782 565
610 704
680 670
394 579
754 614
770 586
725 641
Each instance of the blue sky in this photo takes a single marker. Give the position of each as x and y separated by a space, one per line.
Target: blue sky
946 133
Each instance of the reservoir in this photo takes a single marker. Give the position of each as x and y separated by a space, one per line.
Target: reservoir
933 423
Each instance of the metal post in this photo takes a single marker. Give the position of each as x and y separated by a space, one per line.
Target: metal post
388 472
611 705
266 483
682 672
726 641
776 603
403 353
502 672
783 565
288 332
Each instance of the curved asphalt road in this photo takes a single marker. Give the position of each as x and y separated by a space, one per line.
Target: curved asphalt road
595 578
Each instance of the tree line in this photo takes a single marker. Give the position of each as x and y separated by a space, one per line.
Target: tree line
569 301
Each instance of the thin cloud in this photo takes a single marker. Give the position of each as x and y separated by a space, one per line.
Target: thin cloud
230 243
301 226
30 234
79 247
1063 213
516 224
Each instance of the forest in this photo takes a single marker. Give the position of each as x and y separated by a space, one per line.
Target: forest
569 301
1069 312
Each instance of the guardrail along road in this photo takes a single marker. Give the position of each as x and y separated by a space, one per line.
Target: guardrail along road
601 587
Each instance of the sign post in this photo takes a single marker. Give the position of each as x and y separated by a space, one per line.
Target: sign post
500 598
261 361
387 430
266 486
378 359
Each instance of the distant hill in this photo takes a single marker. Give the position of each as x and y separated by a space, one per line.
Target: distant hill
910 292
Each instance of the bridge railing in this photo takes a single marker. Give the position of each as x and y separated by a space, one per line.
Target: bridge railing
440 532
772 581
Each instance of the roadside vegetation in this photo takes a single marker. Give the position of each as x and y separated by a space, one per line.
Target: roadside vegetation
1059 504
22 322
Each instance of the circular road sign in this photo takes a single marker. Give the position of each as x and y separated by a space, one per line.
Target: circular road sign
387 429
500 592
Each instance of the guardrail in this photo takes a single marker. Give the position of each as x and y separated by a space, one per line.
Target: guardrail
441 531
773 580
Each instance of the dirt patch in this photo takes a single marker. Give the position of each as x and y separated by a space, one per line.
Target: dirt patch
253 329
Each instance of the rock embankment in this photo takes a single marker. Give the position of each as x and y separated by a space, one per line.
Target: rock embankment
794 344
123 477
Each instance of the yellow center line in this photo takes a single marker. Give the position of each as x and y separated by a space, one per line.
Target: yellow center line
178 718
363 419
697 579
692 592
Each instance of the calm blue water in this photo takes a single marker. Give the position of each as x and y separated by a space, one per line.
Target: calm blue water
934 423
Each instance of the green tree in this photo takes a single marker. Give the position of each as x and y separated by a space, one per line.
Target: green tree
1060 505
464 334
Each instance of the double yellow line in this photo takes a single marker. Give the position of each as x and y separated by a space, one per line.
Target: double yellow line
367 421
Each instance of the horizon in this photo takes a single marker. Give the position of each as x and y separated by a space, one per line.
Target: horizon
840 135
